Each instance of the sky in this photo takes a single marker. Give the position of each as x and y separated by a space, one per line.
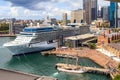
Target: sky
39 9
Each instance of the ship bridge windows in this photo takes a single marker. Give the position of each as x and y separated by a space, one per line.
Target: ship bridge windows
38 29
50 41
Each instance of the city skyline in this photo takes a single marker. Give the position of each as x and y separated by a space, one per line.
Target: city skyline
38 9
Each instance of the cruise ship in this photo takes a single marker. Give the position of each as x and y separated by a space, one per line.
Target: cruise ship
42 37
24 41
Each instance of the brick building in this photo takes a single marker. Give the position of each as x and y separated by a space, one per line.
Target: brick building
107 39
107 36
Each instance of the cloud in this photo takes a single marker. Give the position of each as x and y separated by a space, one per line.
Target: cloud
26 12
13 11
42 4
30 4
41 8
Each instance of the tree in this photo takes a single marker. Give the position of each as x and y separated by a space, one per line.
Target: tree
92 45
115 30
117 77
68 44
4 26
105 25
119 66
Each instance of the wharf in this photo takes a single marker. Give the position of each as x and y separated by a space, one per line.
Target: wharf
86 69
46 52
15 75
96 56
7 35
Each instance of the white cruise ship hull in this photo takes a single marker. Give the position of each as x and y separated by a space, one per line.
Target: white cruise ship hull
27 48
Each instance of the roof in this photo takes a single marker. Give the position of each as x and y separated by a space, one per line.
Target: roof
80 37
112 34
15 75
115 45
114 0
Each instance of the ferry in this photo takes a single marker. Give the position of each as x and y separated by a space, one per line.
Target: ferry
22 44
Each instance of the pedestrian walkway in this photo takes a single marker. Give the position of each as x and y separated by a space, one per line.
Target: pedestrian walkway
109 54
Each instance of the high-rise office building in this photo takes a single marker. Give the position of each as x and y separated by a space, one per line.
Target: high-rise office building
113 14
105 13
77 16
93 9
87 8
99 11
90 7
64 16
118 20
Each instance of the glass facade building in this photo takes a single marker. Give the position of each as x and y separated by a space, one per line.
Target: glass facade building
113 14
105 13
90 7
94 9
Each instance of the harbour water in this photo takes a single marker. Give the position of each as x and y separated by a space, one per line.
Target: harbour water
43 65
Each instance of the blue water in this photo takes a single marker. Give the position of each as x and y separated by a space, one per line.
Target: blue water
44 65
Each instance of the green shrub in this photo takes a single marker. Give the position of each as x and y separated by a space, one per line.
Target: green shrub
119 66
92 45
117 77
68 44
4 26
115 41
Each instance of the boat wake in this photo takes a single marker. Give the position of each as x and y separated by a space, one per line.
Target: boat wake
55 74
1 47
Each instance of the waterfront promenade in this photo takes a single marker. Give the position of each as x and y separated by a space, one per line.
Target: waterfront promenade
7 35
96 56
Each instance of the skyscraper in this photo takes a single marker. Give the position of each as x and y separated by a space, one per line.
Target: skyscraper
93 9
105 12
87 8
90 7
64 16
113 14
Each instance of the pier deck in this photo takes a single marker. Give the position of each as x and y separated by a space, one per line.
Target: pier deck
86 69
15 75
92 54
